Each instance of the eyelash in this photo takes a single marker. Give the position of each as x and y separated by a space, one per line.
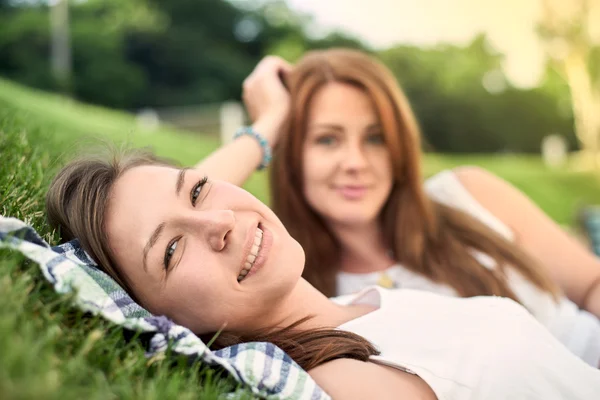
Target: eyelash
172 246
325 139
378 137
195 192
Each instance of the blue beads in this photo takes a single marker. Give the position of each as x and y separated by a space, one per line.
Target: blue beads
264 144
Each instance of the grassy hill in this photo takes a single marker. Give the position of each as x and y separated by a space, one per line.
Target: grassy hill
47 349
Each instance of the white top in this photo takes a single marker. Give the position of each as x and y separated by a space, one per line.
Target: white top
477 348
575 328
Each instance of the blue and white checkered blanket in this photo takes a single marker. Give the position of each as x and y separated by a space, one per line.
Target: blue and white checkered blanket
263 367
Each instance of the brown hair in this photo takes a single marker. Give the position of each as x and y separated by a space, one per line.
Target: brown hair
427 237
76 205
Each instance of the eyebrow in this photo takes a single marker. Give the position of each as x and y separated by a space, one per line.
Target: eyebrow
326 125
337 127
180 180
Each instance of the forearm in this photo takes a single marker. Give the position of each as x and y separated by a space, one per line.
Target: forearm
236 161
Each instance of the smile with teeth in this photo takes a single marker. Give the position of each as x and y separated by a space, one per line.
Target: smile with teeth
252 256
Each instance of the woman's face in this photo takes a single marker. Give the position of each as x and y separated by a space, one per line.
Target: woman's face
186 248
347 166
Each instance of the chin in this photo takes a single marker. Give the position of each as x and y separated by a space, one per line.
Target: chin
354 219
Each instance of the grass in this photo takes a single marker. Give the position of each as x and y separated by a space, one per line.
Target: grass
49 350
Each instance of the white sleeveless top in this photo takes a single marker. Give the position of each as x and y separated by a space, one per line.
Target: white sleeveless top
575 328
477 348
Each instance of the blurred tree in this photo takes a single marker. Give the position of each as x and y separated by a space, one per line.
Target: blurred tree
139 53
24 45
210 46
566 29
465 104
99 28
198 57
289 34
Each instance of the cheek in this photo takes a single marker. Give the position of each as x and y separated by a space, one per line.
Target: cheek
315 181
317 166
382 163
195 292
199 278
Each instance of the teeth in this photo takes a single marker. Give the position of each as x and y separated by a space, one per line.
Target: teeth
242 275
252 256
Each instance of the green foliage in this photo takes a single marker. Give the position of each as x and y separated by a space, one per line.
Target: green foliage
142 53
446 86
101 74
24 47
152 53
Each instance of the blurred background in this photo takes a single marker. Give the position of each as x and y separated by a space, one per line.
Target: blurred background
482 75
513 82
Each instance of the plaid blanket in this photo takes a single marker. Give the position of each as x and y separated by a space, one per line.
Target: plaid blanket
263 367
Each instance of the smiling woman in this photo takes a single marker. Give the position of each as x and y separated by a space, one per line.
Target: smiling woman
200 240
180 242
173 231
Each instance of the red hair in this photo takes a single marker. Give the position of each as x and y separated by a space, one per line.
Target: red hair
427 237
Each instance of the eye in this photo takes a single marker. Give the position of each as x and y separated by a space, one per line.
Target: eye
171 247
375 138
195 192
326 140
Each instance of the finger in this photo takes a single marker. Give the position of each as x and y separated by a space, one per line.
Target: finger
282 65
286 66
282 75
271 64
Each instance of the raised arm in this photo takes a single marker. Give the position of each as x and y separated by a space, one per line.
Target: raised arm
348 379
267 102
573 267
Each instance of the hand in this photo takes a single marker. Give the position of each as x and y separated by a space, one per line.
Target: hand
265 97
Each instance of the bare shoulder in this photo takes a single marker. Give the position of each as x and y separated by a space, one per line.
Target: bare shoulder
352 379
494 193
473 177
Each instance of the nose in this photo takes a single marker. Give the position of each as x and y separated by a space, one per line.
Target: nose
215 226
353 157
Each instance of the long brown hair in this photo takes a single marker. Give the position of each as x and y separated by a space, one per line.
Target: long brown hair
76 205
427 237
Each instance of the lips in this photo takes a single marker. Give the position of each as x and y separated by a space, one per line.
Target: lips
251 257
352 192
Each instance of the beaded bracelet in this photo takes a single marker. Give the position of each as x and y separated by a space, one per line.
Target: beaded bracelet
264 145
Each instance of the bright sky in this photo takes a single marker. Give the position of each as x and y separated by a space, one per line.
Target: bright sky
509 24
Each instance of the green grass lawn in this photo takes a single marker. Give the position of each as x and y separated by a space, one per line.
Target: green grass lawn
47 349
